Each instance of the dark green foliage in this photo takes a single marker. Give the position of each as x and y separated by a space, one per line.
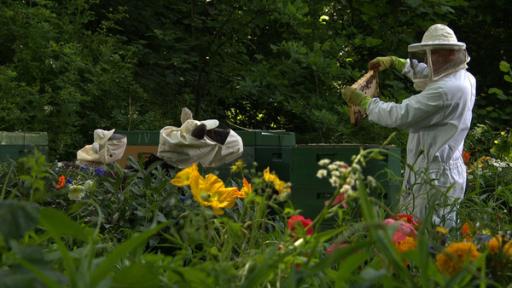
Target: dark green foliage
68 67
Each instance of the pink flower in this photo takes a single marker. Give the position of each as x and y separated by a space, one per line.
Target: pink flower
339 199
335 246
299 219
403 230
406 218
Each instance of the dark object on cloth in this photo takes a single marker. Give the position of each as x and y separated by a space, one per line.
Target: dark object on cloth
218 135
199 131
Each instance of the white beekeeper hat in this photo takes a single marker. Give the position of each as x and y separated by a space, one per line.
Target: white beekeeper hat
437 37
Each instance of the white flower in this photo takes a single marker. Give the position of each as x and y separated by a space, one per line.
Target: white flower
341 164
76 192
324 162
89 185
332 167
321 173
356 168
335 173
371 181
345 189
335 182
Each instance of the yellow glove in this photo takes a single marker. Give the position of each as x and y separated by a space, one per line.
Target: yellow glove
383 63
355 97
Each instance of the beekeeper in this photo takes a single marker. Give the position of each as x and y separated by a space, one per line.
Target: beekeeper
437 119
198 142
107 148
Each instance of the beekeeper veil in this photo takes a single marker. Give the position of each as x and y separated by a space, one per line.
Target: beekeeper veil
438 54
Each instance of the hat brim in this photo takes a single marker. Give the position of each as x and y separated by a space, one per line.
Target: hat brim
210 123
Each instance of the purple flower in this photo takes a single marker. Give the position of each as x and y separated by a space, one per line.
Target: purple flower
100 171
69 180
184 198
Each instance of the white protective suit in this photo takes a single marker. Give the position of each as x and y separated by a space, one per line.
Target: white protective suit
438 120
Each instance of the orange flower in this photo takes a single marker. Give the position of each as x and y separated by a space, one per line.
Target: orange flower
61 183
453 258
465 230
246 189
466 156
494 245
408 244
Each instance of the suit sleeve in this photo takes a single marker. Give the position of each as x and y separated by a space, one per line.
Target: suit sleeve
418 111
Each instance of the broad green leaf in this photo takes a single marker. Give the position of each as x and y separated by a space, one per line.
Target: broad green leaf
49 282
108 264
137 275
347 267
504 66
59 224
508 78
498 92
189 277
17 218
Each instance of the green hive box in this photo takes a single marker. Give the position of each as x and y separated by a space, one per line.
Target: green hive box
309 192
14 145
140 144
270 149
267 148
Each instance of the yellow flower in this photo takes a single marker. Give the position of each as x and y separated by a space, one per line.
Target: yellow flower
494 245
441 230
238 166
183 177
280 186
268 176
246 189
211 192
452 258
408 244
507 249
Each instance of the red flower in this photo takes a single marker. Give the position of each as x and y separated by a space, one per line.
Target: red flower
61 183
406 218
340 199
305 222
403 230
466 156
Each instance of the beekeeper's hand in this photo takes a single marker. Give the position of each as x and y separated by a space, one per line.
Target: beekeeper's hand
383 63
355 97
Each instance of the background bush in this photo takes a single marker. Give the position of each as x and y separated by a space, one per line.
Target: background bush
68 67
